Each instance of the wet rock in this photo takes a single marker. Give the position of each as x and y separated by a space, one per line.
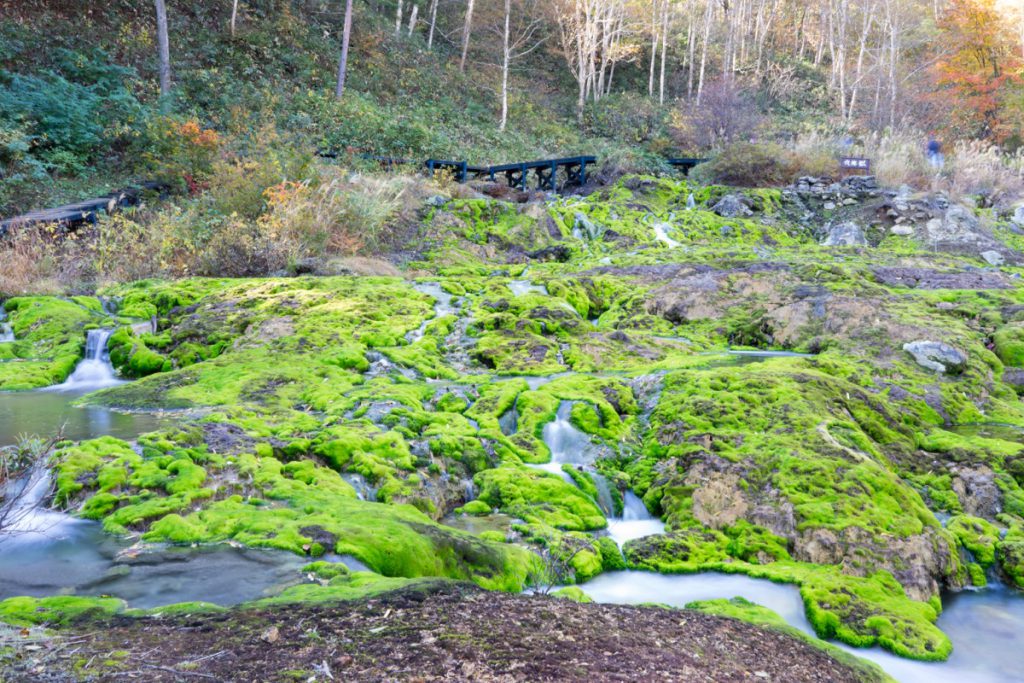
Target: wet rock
978 493
733 206
1018 216
718 500
1015 378
902 230
937 356
847 234
557 252
993 257
436 200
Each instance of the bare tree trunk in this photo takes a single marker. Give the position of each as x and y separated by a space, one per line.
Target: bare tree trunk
505 58
398 18
467 29
691 45
346 34
234 16
164 47
704 50
654 46
664 52
433 24
412 18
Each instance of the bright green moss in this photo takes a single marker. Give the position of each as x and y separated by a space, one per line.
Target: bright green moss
58 610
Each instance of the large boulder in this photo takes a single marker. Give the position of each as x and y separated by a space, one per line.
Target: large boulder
937 356
1018 216
733 206
847 234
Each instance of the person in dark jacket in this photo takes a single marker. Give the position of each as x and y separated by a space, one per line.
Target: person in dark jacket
935 157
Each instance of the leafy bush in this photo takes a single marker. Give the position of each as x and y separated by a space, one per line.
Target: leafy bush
72 110
629 118
180 151
746 164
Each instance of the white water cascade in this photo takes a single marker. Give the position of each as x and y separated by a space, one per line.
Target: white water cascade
636 521
94 371
28 519
6 332
661 233
567 444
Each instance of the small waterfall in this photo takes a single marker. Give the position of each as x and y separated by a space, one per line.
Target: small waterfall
567 444
661 233
468 490
6 331
28 518
690 203
605 500
636 521
94 371
363 489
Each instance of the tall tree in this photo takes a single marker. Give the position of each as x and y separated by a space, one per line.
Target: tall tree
346 35
234 16
164 46
518 39
433 24
980 66
467 29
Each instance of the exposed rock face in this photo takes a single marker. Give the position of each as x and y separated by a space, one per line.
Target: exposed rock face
1018 216
847 234
937 356
927 278
718 501
915 561
1014 377
978 493
993 257
732 206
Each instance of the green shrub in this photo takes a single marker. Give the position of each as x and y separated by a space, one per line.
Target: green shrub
746 164
72 110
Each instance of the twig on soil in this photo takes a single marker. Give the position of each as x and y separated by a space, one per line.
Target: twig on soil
177 671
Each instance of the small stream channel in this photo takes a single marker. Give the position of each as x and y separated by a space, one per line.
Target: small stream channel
47 552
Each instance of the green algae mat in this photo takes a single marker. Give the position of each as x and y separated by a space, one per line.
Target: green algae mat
361 416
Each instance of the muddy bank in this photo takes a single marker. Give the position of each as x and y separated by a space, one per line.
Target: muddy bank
430 633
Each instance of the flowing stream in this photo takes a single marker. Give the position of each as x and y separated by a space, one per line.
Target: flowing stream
985 626
442 307
521 287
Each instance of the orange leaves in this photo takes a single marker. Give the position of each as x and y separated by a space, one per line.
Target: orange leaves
981 68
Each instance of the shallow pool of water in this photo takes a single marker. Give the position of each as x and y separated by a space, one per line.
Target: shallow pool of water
77 558
45 412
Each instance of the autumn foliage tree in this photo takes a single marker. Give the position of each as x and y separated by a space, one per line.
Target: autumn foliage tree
980 71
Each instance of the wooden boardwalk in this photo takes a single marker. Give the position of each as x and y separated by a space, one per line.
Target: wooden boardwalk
517 175
88 211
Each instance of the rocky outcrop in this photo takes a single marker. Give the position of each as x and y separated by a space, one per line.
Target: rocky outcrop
937 356
733 206
977 491
847 234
